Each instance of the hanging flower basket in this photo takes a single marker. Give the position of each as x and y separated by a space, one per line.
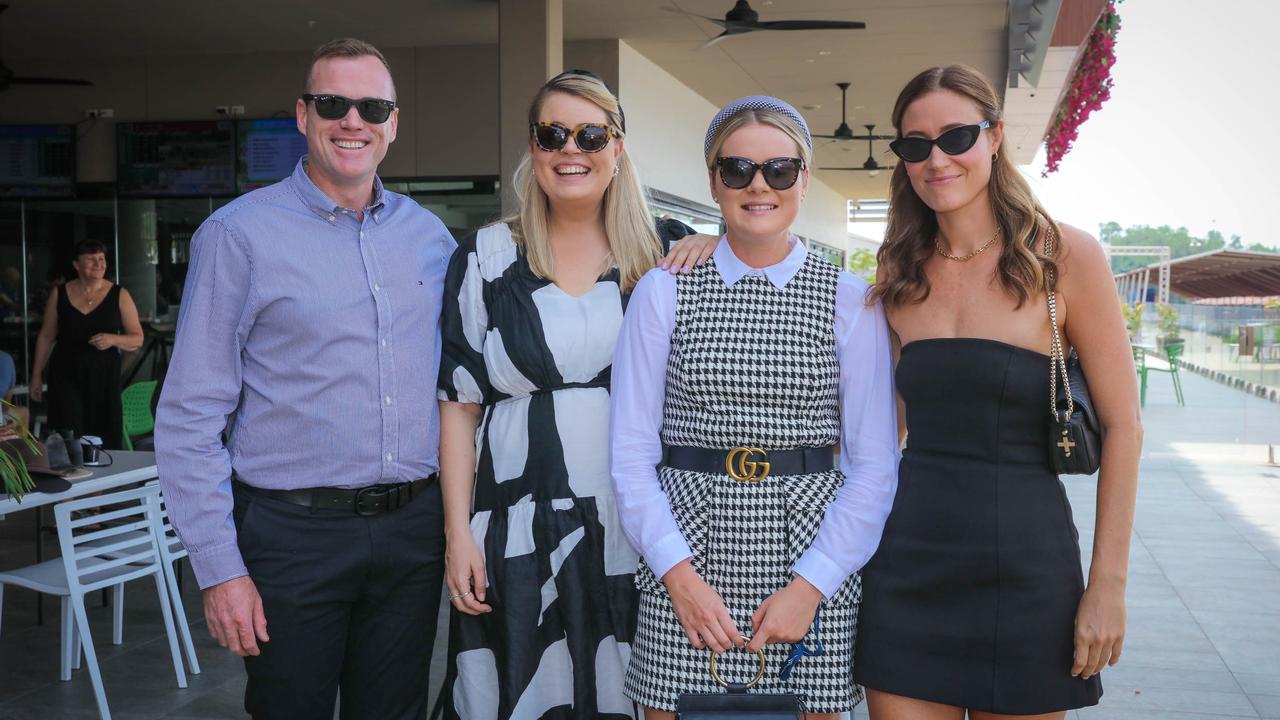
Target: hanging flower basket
1090 87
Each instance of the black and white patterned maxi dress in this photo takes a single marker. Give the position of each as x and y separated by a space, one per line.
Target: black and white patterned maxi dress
560 571
750 365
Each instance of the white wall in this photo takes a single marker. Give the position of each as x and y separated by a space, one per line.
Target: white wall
666 122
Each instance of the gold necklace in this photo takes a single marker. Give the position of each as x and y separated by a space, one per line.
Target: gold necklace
937 244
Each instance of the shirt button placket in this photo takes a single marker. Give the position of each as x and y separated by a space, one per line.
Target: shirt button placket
385 379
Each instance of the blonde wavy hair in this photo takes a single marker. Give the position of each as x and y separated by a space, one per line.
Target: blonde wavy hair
633 242
759 116
1023 269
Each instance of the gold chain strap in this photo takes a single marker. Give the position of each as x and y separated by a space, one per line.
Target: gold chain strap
1057 359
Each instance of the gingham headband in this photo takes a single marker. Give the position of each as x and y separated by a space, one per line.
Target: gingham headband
754 102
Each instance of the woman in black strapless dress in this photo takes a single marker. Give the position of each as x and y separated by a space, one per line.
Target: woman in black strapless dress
975 600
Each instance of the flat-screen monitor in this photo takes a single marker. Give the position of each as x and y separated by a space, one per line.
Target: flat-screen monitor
268 151
37 161
161 159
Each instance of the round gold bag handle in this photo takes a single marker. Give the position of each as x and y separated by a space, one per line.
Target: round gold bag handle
759 673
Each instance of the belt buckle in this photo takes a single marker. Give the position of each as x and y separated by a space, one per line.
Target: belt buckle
374 494
747 464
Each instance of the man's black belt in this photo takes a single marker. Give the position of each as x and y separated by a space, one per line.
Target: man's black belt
366 501
749 464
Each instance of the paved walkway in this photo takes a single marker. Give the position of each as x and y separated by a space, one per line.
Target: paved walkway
1204 590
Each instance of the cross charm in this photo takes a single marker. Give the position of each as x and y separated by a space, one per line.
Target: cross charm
1066 445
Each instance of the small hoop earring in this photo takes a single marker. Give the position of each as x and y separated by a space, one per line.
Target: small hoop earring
994 157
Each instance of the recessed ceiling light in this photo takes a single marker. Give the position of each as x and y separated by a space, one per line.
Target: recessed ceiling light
811 107
824 52
808 60
859 107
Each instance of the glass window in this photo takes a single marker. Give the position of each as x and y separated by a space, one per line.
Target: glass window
463 204
13 296
702 218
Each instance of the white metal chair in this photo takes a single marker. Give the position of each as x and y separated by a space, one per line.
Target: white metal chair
123 547
171 551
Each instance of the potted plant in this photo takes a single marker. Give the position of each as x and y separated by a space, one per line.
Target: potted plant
1132 318
15 442
1168 326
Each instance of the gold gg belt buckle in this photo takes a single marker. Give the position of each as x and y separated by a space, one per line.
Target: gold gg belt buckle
747 464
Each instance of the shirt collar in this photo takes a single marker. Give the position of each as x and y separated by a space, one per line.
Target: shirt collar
733 269
322 205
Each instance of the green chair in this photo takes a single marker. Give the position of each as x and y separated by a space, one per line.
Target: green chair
1173 352
136 401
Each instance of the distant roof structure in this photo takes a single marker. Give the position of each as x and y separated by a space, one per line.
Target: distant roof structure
1222 274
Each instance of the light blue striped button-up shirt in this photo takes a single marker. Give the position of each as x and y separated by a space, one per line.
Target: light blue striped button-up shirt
320 333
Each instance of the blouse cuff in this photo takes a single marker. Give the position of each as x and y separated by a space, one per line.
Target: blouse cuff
821 571
667 553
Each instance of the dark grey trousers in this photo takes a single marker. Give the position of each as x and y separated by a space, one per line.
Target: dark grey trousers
351 603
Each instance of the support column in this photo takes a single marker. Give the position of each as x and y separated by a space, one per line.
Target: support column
530 52
137 252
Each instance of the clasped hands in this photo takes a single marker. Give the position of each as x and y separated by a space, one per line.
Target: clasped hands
783 617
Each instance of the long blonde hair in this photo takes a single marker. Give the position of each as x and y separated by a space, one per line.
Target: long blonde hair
1022 269
628 224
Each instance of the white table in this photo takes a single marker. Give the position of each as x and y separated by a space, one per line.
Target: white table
130 467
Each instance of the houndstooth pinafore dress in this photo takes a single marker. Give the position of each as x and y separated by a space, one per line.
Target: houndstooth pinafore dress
750 365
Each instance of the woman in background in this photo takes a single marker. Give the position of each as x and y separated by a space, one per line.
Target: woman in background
88 322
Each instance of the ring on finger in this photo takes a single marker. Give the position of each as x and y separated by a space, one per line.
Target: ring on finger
459 595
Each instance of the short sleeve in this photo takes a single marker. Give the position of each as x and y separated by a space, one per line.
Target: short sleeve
463 325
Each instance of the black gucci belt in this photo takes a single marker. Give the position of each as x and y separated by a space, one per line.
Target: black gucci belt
749 464
366 501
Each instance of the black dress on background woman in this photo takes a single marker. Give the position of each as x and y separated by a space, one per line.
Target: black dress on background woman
971 598
84 382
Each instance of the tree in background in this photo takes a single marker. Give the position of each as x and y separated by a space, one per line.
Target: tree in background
1180 242
863 264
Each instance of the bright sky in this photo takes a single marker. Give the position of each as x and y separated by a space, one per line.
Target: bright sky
1189 136
1185 138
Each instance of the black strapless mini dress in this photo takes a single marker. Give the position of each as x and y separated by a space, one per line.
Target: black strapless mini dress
971 598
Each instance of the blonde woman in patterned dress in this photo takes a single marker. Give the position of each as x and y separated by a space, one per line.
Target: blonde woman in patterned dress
765 354
536 566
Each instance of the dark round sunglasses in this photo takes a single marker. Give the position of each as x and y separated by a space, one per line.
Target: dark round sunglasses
779 173
553 136
952 142
336 107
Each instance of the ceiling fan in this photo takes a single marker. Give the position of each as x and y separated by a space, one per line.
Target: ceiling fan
869 165
8 78
844 132
742 19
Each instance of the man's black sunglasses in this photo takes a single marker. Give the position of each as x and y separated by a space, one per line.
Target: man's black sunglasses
779 173
336 107
952 142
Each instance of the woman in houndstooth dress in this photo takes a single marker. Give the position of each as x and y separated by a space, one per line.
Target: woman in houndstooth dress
768 347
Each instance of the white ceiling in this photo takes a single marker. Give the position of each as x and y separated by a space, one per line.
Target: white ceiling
902 38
